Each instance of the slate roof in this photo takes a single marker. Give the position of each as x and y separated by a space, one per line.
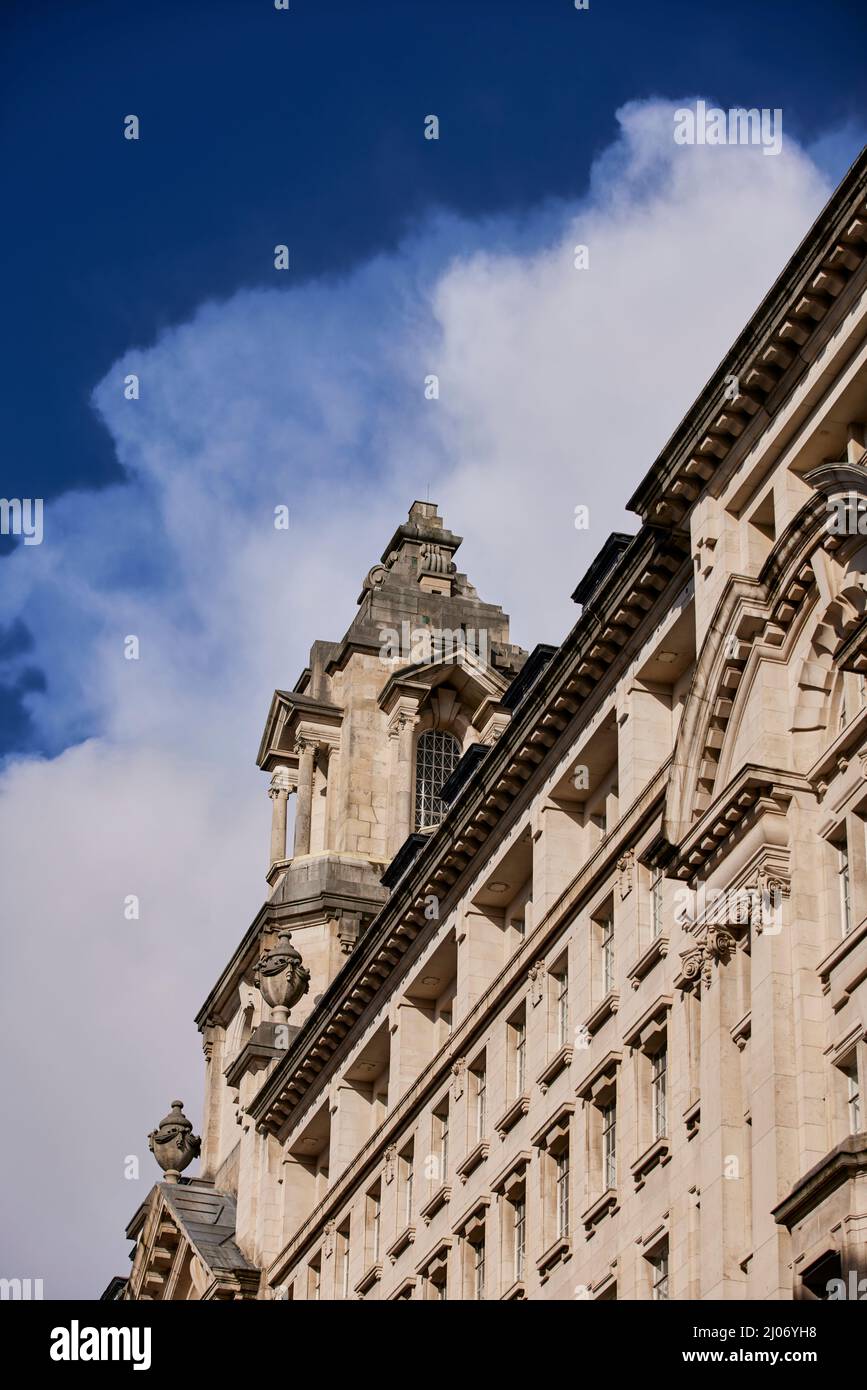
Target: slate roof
207 1218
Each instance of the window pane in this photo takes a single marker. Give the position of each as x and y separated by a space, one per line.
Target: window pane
562 1181
854 1101
609 1145
562 1008
520 1057
660 1276
607 955
845 901
520 1210
656 904
658 1092
436 757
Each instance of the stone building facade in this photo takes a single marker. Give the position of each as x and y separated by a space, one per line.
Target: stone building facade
575 998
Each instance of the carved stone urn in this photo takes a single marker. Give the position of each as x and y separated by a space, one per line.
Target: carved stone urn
173 1143
281 978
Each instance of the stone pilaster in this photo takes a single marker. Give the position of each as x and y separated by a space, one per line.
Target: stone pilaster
400 819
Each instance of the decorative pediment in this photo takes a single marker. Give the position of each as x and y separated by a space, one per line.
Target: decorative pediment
186 1250
450 691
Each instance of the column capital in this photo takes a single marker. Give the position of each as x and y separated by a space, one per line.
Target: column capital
281 781
404 716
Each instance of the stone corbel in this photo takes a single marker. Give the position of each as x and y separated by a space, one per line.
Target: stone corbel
720 945
209 1031
691 968
772 888
536 976
625 869
390 1157
459 1069
348 931
714 946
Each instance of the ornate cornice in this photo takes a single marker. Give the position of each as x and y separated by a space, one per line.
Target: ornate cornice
775 349
753 792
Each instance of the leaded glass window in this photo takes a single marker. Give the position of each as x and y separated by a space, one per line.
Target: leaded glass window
436 758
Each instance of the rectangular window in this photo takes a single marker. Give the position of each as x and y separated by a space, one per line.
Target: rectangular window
607 944
609 1145
561 981
480 1082
561 1187
343 1258
519 1046
659 1276
314 1282
408 1173
658 1087
479 1269
519 1245
845 893
656 904
854 1098
443 1119
375 1226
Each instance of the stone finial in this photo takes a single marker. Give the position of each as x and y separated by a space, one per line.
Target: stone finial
281 978
173 1143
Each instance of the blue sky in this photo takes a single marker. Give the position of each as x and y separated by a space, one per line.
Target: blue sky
305 389
261 126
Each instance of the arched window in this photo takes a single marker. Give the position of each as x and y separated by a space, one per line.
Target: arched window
436 757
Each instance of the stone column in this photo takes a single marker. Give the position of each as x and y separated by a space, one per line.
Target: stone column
401 818
304 808
279 794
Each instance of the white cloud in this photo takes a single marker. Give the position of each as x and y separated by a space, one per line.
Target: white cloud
557 387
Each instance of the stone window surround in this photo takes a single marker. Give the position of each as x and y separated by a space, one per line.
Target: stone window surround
433 1268
597 1090
652 1246
849 1053
599 915
471 1230
551 1139
848 826
646 1037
